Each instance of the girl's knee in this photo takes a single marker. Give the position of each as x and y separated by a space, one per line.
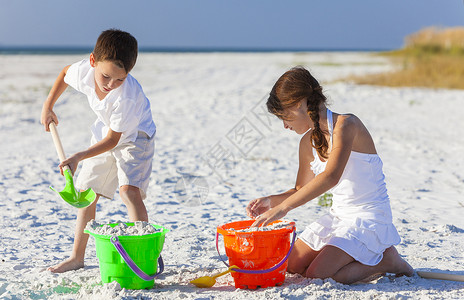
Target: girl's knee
328 263
321 274
298 261
316 273
295 267
300 258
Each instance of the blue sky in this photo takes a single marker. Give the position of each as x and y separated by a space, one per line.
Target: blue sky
307 24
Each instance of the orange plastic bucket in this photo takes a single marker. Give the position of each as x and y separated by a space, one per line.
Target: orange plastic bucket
260 255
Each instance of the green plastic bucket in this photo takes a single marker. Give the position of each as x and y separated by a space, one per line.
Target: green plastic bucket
130 260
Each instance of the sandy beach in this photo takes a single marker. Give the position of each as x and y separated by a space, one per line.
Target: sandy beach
216 149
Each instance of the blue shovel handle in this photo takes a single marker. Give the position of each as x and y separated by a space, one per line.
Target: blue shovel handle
115 241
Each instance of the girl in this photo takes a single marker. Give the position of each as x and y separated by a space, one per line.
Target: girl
354 241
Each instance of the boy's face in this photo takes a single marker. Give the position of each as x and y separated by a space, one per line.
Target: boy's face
108 76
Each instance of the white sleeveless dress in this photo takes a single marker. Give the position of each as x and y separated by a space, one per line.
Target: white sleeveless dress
360 219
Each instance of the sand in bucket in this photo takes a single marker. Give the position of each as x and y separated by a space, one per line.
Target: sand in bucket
141 242
258 249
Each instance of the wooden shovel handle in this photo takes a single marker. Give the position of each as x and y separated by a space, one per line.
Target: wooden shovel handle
57 142
441 276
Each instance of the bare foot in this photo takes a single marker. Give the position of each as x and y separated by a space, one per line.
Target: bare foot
395 264
67 265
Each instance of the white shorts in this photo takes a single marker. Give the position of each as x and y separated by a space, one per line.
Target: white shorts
126 164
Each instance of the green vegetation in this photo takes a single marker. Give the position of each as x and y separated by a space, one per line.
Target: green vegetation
325 200
432 57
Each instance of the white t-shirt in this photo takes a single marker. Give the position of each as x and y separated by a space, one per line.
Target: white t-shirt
125 109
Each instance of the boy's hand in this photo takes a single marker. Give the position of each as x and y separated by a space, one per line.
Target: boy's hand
258 206
71 162
57 89
47 117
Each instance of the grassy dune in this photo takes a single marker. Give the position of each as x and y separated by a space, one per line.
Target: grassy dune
432 57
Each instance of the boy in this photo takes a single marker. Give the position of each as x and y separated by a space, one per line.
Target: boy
122 144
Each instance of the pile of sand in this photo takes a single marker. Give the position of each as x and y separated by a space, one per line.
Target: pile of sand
139 228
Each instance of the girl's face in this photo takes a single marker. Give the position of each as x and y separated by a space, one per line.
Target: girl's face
297 118
108 76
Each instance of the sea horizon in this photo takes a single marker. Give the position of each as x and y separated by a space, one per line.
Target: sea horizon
66 50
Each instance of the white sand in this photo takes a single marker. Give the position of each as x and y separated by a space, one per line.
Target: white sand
276 226
201 103
121 228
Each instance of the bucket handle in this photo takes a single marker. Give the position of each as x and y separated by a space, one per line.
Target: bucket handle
115 241
258 271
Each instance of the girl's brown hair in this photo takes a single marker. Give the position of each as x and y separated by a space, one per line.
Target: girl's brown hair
293 86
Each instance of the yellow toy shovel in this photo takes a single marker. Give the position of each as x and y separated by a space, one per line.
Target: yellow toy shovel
209 281
69 194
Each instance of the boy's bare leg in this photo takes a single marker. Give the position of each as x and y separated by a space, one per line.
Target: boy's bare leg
132 198
76 260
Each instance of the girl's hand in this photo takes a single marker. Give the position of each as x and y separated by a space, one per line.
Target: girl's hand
258 206
71 162
274 214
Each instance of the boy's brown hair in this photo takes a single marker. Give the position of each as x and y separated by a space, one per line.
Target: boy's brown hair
117 46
